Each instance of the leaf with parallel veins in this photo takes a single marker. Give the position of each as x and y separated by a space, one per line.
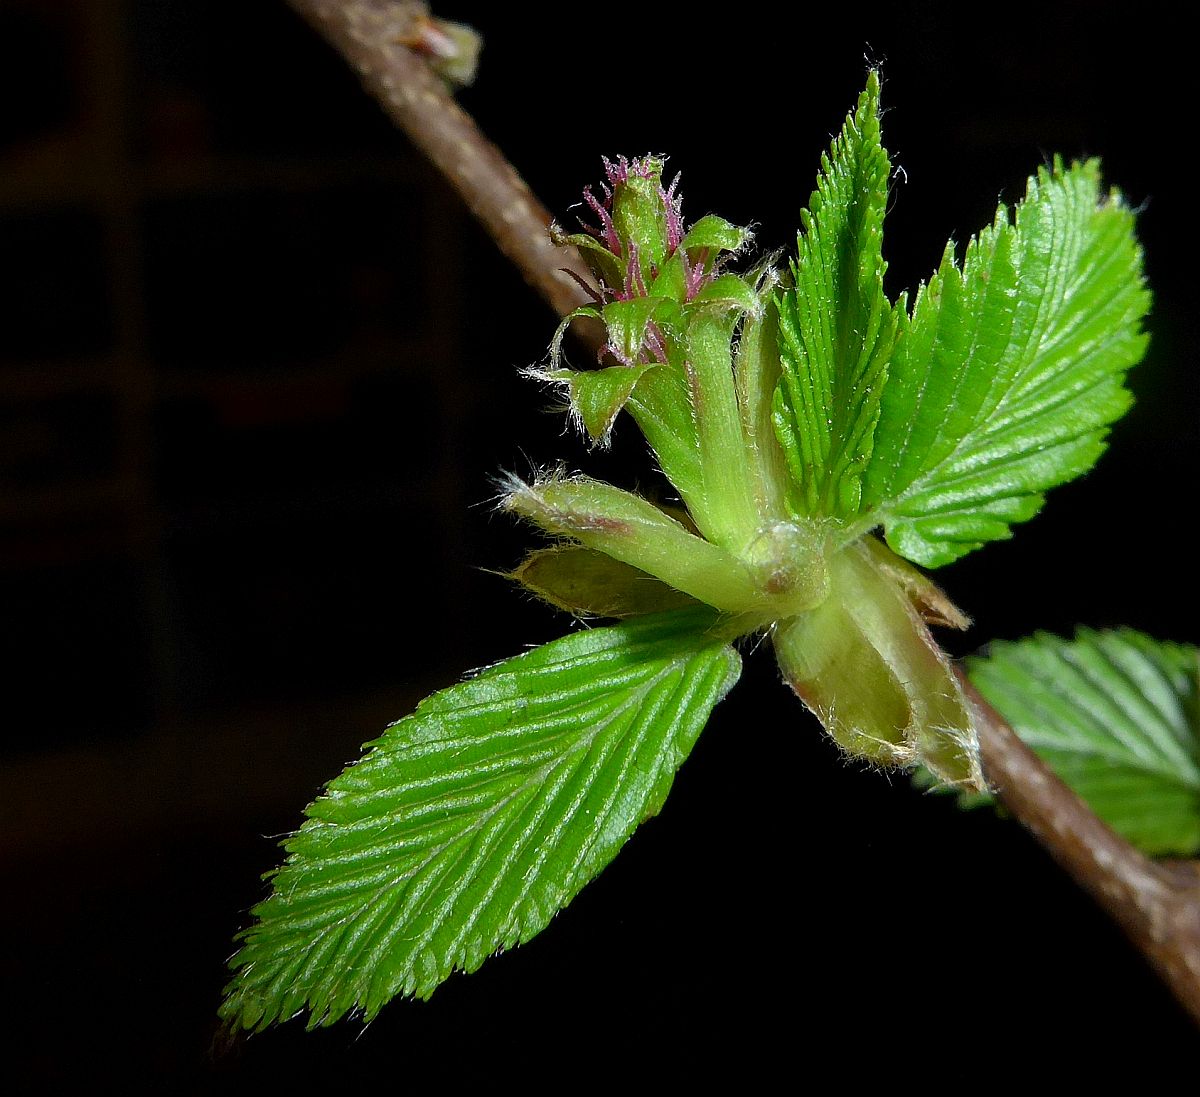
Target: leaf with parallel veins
470 823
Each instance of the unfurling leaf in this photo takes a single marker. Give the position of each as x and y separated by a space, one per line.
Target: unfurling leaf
471 822
836 326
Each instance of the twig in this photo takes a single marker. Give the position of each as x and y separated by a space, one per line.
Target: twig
1157 905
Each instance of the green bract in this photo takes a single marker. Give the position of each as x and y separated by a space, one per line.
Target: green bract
794 414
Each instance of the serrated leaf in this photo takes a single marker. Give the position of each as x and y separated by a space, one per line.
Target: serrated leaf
1009 370
1115 715
835 324
469 824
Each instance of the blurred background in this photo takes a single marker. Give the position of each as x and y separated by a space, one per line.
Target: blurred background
257 368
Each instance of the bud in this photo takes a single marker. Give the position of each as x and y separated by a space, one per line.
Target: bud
648 266
646 218
864 662
787 561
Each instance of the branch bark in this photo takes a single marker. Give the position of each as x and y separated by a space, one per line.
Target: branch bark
1156 904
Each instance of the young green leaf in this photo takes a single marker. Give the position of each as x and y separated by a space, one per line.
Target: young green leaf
836 326
1009 370
1115 715
471 822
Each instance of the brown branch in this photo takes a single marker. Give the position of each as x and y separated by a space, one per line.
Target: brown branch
1157 905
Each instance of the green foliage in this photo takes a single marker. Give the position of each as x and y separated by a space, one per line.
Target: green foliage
471 822
946 424
1009 369
836 326
792 423
1117 716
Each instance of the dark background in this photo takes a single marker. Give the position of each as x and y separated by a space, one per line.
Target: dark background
256 370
